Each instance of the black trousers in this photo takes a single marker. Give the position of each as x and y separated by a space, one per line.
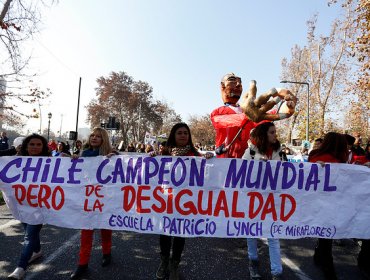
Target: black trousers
364 255
324 250
177 246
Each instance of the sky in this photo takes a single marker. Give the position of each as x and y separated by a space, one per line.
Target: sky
181 48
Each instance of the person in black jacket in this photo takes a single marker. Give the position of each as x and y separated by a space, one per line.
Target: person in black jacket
4 145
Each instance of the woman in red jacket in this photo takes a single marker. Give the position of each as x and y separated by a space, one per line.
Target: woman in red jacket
332 150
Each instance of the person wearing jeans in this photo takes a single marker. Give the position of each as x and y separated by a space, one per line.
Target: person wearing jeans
31 244
264 146
274 252
32 145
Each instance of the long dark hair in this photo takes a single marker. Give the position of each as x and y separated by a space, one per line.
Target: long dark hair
334 144
171 141
45 148
260 139
64 148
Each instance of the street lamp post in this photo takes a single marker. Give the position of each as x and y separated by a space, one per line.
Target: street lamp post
308 103
49 117
60 129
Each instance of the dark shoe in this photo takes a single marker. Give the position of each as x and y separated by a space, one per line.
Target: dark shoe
106 260
162 271
277 277
79 272
254 270
329 272
364 269
174 270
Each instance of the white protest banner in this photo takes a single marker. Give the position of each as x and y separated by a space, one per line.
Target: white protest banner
190 196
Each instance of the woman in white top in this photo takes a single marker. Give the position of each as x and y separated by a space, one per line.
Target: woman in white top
264 146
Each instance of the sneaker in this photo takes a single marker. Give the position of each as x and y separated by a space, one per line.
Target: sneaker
18 273
365 270
174 270
35 256
254 270
162 271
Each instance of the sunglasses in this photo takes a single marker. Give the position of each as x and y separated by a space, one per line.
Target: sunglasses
234 79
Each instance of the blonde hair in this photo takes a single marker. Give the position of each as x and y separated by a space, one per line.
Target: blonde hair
105 147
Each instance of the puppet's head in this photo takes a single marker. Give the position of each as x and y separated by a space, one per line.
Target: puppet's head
231 88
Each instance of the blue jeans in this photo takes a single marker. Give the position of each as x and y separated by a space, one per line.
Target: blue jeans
274 252
31 243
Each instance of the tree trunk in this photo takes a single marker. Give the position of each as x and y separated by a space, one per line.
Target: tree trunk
322 121
5 10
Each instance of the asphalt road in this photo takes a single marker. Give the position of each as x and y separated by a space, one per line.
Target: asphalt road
136 256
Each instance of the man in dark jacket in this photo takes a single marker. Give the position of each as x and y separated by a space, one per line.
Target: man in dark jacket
4 145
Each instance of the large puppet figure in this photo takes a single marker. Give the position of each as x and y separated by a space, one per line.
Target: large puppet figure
233 121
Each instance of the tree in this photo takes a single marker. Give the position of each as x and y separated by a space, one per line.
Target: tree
362 46
202 130
45 134
169 118
131 103
19 20
322 63
295 70
360 50
357 120
9 112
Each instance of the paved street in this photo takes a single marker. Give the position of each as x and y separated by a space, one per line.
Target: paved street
136 256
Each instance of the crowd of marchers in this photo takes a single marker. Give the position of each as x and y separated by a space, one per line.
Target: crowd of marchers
245 129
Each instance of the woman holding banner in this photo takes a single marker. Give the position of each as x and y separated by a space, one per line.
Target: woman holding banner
33 145
179 143
332 150
98 145
264 146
